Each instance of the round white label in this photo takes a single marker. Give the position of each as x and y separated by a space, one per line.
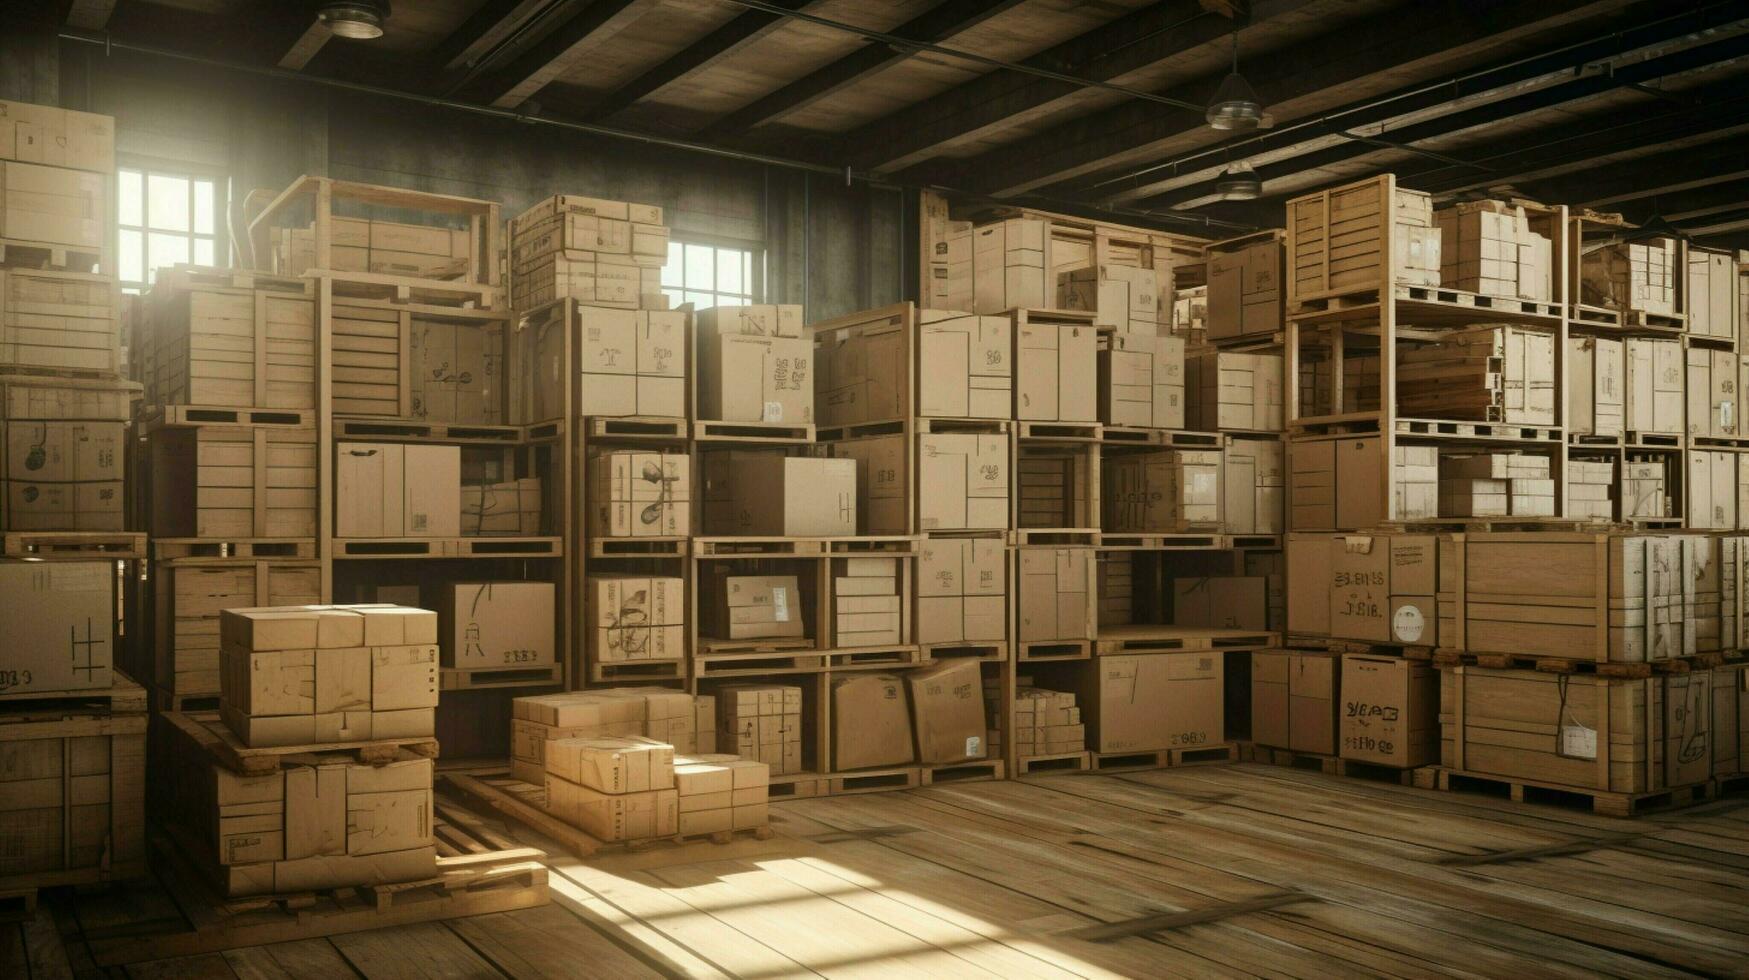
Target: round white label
1408 623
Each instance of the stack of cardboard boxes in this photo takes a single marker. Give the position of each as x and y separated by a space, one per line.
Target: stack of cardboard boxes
597 252
1495 485
1488 247
762 722
1634 277
301 679
615 787
54 169
1046 722
718 793
686 722
866 611
754 365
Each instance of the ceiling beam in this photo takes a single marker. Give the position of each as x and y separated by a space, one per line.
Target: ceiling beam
90 15
744 29
1610 185
557 52
1572 93
1396 40
937 24
1110 51
484 30
306 46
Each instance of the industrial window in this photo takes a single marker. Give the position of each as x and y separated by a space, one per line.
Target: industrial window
166 218
708 275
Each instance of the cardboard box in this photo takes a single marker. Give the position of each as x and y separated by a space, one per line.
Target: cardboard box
1712 393
1488 374
635 618
60 321
1011 267
1054 594
1712 489
1655 399
1245 295
754 365
1124 298
769 494
1295 700
58 137
883 481
673 717
1389 711
1141 381
871 722
1639 276
498 624
1162 492
947 709
1227 391
762 722
962 481
1253 483
393 490
1383 588
1711 299
965 366
1335 484
612 764
1156 701
1222 602
511 507
62 476
1055 372
961 590
614 816
754 606
633 362
52 206
1596 381
640 494
60 618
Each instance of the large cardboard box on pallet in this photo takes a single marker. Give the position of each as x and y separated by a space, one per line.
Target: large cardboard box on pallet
225 481
1712 294
189 596
962 590
503 625
767 494
62 476
1596 386
1221 602
59 321
963 481
391 490
1141 381
631 618
947 712
1123 298
1579 730
1245 290
883 481
1389 711
1380 588
1711 481
1604 598
1011 266
754 365
1296 701
1227 390
1055 371
60 625
426 365
745 607
1638 277
965 365
1154 701
1253 476
1054 594
866 607
58 137
225 346
385 247
73 787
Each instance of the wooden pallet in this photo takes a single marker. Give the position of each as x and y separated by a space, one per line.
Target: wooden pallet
977 770
209 732
1061 537
466 884
1601 802
996 652
1301 641
162 416
876 658
1446 657
1478 431
638 547
1118 435
73 545
183 701
1641 320
412 430
122 696
874 780
632 671
727 661
483 546
183 275
797 786
1037 651
165 549
1044 764
409 291
1583 315
1330 765
635 427
1652 440
1200 755
1109 541
777 432
1116 640
781 547
487 678
1058 431
1479 525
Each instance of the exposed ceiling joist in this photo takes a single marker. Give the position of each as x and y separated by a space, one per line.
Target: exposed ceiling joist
487 28
306 46
935 25
555 54
1107 52
706 51
90 15
1572 93
1611 185
1395 40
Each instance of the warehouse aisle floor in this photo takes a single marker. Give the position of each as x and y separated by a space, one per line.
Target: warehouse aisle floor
1284 872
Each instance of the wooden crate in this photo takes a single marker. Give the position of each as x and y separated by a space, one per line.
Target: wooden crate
230 481
186 597
1341 240
402 361
214 338
74 787
65 322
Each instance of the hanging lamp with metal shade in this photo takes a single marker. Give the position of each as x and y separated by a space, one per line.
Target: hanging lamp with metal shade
1235 105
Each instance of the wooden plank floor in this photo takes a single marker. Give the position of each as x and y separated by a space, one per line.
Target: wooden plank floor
1212 871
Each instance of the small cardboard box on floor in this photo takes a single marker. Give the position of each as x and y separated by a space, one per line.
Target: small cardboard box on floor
1389 711
674 717
1295 700
313 674
1155 701
721 793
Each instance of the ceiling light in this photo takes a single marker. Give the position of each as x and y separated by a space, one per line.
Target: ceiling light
358 19
1239 183
1235 104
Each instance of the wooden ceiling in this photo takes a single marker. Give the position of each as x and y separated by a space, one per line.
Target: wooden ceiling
1641 107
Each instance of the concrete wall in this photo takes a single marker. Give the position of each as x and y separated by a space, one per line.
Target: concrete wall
833 248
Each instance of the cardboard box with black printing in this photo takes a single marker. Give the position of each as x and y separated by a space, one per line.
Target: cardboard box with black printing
1389 711
962 481
498 624
60 623
754 365
746 607
633 362
965 365
947 709
1162 492
1155 701
762 722
635 617
1383 588
883 482
770 494
871 722
635 494
62 476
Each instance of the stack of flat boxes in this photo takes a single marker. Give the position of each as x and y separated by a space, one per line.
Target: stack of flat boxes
303 678
1488 247
615 787
865 602
1590 488
721 793
1047 723
762 722
675 718
1495 485
212 343
597 252
1632 276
